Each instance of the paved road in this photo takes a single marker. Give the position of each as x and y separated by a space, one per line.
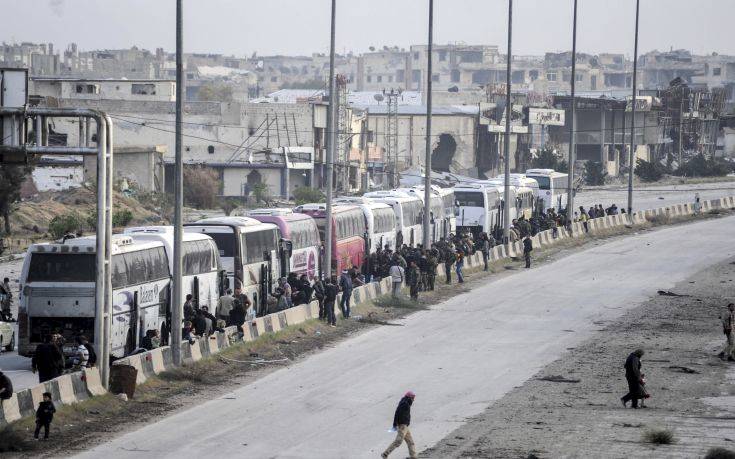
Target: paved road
651 197
458 357
16 367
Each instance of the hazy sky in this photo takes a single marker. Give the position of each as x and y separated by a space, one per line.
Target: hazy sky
302 26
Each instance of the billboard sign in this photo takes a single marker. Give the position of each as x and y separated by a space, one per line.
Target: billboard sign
546 116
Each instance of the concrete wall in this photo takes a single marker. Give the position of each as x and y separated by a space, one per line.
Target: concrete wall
55 178
142 166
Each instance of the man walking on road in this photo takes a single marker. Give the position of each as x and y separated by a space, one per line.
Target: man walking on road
330 297
413 280
47 360
634 378
527 247
728 324
401 422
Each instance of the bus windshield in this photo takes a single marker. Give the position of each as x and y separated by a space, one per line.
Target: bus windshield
61 267
543 181
469 198
225 243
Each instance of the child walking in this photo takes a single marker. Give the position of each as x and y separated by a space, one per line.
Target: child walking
44 416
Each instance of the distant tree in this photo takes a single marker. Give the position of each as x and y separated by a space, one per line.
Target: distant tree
547 159
228 205
214 92
648 171
11 179
700 166
261 193
593 173
305 195
201 187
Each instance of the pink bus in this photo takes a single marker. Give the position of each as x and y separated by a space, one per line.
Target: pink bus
348 227
303 233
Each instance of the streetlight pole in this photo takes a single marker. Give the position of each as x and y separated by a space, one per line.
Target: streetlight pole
177 304
572 133
508 112
330 149
427 166
632 113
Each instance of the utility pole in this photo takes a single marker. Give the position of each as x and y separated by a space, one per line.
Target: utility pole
508 112
177 304
681 123
330 149
572 133
632 113
427 162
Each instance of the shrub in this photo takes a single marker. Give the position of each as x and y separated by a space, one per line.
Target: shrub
201 186
64 224
228 205
122 217
719 453
306 195
593 173
658 436
648 171
699 166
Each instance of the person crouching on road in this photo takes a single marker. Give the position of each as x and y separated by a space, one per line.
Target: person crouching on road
401 423
44 416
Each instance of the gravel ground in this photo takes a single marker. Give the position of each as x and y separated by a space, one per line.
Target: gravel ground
583 417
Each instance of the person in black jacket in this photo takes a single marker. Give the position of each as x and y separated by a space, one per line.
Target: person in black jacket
634 378
237 314
47 360
44 416
527 247
330 297
401 421
6 387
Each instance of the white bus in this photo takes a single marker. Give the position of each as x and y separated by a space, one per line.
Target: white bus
252 253
202 275
380 222
409 211
302 232
552 187
57 286
478 208
439 224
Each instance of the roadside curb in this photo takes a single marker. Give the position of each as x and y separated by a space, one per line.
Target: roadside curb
73 388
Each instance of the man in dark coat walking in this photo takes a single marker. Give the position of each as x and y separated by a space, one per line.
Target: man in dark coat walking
634 378
47 360
527 248
401 422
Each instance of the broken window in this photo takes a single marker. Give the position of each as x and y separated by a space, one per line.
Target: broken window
416 56
435 77
400 75
369 79
87 89
380 79
442 56
143 89
717 71
455 75
416 76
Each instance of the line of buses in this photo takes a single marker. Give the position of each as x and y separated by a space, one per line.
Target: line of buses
57 283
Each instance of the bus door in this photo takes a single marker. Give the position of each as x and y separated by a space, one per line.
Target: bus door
132 342
285 251
195 292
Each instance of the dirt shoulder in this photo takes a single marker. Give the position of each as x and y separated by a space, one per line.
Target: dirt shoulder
580 414
84 425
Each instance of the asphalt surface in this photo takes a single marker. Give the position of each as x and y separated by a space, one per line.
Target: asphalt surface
652 197
16 367
458 357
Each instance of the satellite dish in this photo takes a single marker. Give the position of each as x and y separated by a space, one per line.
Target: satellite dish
379 97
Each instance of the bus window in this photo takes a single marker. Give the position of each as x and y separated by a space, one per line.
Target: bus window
225 243
62 267
544 182
469 198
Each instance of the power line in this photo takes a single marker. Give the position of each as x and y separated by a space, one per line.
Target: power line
230 126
